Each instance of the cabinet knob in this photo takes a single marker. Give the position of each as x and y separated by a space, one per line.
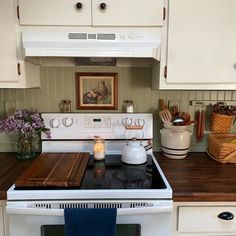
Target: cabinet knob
226 215
103 6
79 5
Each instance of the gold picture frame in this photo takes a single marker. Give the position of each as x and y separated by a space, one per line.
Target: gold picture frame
96 91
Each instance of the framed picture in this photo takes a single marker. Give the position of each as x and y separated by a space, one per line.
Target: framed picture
96 91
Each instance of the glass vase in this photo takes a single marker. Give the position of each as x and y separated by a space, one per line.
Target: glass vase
25 147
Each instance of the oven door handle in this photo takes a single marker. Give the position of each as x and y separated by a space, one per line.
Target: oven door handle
60 212
145 210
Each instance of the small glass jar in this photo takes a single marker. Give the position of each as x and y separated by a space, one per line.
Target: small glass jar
65 106
99 148
129 105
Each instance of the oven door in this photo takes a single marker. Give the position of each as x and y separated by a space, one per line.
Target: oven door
134 218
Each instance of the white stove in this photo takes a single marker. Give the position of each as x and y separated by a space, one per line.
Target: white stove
141 193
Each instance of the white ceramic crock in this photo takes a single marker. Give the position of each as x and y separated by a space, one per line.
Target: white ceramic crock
134 153
175 141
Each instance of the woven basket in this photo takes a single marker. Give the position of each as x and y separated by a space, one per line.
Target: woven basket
221 123
222 147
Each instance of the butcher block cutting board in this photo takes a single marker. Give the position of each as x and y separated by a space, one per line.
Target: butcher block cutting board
55 170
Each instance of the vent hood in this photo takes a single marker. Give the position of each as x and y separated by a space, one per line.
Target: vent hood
126 43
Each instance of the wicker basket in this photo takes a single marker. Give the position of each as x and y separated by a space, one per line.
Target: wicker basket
222 147
221 123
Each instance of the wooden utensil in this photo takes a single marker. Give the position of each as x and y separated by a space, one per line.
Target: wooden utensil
164 112
201 122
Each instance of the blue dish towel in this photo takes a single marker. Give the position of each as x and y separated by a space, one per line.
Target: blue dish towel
90 222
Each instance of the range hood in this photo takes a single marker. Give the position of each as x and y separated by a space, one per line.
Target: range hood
122 43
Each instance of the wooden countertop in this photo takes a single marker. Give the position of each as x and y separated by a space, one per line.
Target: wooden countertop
10 169
199 178
195 178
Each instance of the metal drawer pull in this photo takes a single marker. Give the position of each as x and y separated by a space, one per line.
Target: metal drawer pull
226 215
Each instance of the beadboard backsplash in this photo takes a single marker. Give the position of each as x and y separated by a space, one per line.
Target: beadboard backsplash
58 83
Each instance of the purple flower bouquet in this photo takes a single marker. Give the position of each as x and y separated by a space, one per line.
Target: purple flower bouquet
27 126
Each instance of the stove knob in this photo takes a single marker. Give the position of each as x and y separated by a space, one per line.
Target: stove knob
54 123
67 122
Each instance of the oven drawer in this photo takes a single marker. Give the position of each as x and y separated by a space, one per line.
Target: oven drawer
206 219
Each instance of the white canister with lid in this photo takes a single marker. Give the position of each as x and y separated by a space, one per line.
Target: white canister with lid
175 141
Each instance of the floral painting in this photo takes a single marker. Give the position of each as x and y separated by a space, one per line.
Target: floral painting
96 90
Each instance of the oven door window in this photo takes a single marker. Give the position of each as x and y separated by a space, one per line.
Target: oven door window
121 230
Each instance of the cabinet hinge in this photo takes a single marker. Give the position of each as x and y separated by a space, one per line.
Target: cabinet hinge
164 13
18 12
18 69
165 72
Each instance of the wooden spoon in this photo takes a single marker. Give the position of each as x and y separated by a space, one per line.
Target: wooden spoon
164 113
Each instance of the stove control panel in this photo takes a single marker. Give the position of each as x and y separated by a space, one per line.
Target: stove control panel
97 122
87 125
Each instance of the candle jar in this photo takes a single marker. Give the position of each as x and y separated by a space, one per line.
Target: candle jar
99 148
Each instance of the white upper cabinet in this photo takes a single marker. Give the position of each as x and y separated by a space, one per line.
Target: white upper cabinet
91 12
8 42
127 12
14 72
55 12
200 52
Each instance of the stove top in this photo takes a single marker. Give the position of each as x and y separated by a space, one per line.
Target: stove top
111 173
108 179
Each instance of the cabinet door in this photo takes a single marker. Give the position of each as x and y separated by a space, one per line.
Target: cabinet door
127 13
29 77
14 73
55 12
201 51
8 58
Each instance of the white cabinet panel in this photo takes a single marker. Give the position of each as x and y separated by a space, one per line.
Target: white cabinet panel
205 219
201 219
14 73
8 42
115 12
200 50
55 12
128 13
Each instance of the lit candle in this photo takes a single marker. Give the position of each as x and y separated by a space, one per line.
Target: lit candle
99 148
